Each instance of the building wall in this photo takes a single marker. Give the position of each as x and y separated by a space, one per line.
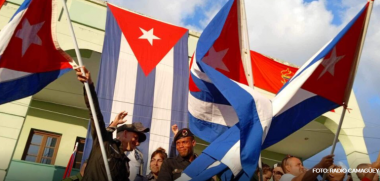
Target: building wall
12 116
68 121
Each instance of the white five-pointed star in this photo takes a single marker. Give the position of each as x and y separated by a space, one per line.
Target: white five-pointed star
215 59
329 63
28 35
148 35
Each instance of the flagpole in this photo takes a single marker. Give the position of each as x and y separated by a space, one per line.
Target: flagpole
246 55
244 42
87 87
352 77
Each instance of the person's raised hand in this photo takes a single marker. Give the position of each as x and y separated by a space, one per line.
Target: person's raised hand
86 77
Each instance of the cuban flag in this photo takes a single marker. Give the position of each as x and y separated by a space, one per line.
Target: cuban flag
223 110
30 57
322 84
2 3
144 70
71 162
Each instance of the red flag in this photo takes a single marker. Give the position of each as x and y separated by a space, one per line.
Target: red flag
1 3
269 74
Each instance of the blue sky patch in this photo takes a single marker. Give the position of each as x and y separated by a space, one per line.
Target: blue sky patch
336 7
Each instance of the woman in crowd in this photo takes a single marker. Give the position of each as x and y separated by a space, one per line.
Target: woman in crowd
267 173
156 160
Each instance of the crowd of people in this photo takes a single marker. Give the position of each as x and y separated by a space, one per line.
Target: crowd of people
125 160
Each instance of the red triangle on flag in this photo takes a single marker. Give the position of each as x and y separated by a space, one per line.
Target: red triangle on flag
150 40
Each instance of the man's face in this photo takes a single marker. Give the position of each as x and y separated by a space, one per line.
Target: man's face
277 173
155 163
295 166
129 140
185 146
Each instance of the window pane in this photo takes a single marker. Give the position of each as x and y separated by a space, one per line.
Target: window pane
36 139
50 142
48 152
46 160
33 150
30 158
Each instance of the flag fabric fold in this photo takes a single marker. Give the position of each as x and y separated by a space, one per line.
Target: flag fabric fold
223 110
30 57
320 85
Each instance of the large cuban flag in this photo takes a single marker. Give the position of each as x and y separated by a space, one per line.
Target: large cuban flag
144 70
222 108
322 84
30 57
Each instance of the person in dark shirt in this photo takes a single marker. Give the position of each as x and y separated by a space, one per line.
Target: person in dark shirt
128 137
172 168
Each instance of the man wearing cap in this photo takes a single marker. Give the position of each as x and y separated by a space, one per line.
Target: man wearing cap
128 137
172 168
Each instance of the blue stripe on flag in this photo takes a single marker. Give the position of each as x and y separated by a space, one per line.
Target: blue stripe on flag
249 122
180 85
23 6
199 168
143 105
292 120
208 93
107 75
200 127
31 84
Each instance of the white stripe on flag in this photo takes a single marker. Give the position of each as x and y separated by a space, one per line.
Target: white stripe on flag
285 99
216 113
198 73
162 105
8 29
8 74
232 159
263 104
125 85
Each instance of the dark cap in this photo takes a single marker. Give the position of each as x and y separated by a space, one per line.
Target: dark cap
136 127
183 133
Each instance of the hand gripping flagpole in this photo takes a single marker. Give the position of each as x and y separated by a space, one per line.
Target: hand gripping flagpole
87 87
246 55
351 78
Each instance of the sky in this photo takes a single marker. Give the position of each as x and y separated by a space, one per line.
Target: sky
293 31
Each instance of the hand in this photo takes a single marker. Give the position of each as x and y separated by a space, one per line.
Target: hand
376 164
119 119
81 78
175 129
326 162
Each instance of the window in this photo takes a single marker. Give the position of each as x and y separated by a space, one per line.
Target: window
78 156
41 147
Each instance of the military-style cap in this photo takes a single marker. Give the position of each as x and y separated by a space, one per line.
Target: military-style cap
136 127
183 133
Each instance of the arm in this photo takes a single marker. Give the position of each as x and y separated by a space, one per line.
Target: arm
375 165
173 149
87 78
165 172
326 162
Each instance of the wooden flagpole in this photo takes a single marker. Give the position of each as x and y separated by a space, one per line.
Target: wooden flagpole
87 87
